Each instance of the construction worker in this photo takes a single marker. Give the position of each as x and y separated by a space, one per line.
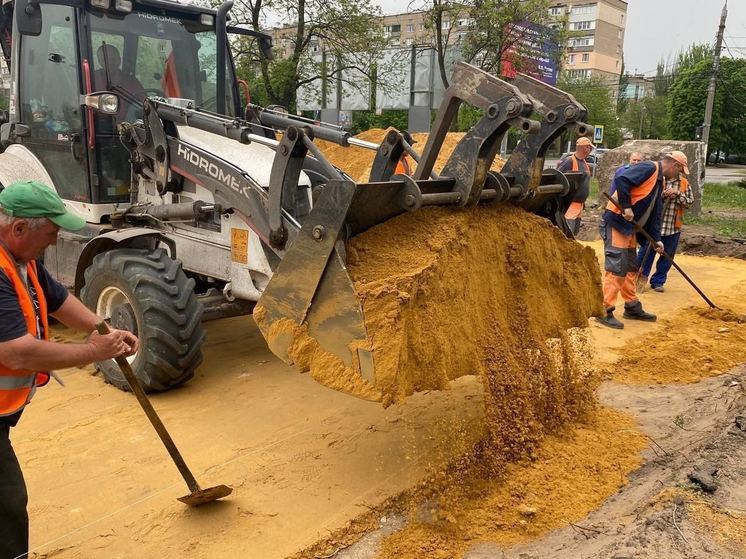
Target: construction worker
677 198
404 167
576 162
639 193
634 158
31 214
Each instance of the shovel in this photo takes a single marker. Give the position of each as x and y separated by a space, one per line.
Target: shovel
198 496
664 254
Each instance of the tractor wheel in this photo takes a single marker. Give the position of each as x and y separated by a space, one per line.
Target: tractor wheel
147 293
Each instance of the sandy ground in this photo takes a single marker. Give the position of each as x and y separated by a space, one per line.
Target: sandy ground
305 460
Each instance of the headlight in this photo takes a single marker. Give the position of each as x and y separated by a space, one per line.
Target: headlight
107 103
123 6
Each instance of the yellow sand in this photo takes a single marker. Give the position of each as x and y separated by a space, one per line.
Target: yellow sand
694 344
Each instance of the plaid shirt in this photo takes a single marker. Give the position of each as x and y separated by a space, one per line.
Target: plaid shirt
674 206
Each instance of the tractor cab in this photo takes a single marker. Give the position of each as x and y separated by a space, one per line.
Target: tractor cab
59 53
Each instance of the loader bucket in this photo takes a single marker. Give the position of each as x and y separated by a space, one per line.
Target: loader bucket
310 313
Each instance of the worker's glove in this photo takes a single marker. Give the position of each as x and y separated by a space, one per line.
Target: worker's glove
628 214
659 247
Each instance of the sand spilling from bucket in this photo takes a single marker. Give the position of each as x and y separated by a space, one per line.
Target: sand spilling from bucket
357 162
694 344
448 292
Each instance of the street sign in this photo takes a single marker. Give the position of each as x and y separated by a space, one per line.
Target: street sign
598 134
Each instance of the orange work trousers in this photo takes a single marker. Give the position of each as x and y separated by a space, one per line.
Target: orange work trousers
620 265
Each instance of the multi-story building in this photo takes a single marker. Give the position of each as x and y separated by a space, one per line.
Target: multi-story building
595 37
638 86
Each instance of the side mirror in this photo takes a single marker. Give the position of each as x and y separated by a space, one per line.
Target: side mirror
265 46
28 17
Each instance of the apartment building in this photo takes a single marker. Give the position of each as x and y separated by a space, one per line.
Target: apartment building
638 86
595 42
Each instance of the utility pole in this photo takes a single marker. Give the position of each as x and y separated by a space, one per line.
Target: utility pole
713 79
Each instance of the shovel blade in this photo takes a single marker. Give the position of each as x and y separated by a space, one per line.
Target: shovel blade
203 496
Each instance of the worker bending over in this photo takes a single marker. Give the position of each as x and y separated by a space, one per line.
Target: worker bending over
638 190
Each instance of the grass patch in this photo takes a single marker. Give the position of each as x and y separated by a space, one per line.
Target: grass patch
725 226
593 189
724 195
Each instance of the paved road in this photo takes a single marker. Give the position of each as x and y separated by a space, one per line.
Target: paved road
725 173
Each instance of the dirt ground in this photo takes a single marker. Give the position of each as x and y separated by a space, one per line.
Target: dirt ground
306 461
695 239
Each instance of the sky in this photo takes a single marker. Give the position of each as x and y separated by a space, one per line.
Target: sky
658 29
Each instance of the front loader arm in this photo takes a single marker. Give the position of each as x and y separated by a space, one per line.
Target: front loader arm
166 160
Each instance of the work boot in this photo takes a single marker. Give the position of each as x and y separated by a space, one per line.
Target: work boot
658 288
610 320
633 311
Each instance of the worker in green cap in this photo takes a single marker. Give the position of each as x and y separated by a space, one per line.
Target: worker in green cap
31 214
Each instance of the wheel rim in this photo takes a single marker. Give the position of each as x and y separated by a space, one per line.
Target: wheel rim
114 305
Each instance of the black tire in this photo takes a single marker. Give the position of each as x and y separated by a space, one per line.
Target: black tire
147 292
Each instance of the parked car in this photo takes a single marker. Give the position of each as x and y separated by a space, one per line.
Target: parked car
717 157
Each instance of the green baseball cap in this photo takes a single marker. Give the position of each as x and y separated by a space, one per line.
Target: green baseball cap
35 199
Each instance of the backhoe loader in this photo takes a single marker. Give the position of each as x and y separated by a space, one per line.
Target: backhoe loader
201 208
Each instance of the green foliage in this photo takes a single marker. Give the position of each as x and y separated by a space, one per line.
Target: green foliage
687 104
724 195
725 226
348 31
493 33
365 120
595 94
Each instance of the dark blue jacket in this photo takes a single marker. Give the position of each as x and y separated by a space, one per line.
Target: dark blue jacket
623 184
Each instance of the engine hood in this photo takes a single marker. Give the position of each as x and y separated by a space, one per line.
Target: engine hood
255 160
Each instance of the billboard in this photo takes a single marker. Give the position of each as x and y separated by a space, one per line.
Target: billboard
534 51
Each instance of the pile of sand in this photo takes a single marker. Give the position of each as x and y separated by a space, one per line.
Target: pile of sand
528 498
694 344
450 292
357 162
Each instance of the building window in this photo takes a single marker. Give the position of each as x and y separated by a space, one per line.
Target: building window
446 24
578 74
583 25
410 28
556 11
581 42
409 42
394 42
585 9
571 59
586 57
391 29
460 37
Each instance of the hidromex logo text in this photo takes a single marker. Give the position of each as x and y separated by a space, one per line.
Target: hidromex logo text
208 167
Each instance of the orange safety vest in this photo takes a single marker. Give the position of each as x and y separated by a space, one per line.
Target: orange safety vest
679 220
638 192
403 167
18 386
576 167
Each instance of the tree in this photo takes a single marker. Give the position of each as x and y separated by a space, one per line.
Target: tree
496 28
594 93
348 32
687 104
622 102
